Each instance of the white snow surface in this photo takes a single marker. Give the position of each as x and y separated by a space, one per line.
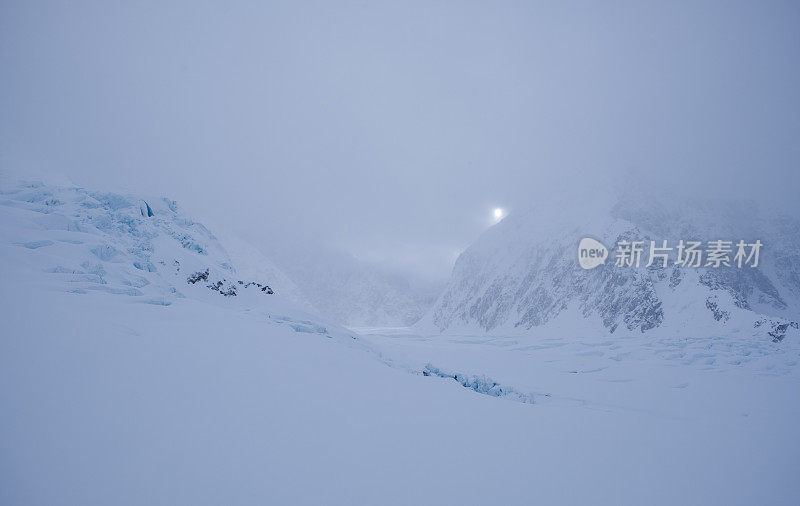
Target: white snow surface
122 383
522 275
352 291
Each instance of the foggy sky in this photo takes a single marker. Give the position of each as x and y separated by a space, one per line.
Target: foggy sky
391 130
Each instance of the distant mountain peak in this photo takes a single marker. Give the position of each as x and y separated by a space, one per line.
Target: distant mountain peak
522 275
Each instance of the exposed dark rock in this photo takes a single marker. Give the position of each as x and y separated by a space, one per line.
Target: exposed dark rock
719 314
198 276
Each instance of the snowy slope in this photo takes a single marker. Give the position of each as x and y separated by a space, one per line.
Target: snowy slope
251 263
523 276
146 250
121 382
354 292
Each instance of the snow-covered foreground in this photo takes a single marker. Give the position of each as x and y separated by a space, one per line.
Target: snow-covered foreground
110 402
717 380
122 383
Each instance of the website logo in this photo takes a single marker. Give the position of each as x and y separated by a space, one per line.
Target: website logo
591 253
713 254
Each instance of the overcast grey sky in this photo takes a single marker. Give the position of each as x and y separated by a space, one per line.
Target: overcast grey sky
391 130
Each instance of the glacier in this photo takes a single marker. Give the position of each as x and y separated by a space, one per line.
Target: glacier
142 361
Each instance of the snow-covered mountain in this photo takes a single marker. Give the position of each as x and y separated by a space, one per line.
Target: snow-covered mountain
141 362
145 250
523 276
354 292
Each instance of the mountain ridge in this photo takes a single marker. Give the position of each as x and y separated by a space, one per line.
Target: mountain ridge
523 273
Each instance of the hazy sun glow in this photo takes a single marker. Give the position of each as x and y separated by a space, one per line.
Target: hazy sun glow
498 213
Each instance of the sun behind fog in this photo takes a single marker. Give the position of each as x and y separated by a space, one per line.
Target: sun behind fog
498 213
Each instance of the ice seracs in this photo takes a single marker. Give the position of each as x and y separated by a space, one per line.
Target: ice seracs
148 250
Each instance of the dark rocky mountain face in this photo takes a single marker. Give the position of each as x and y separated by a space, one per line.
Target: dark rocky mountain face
523 274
